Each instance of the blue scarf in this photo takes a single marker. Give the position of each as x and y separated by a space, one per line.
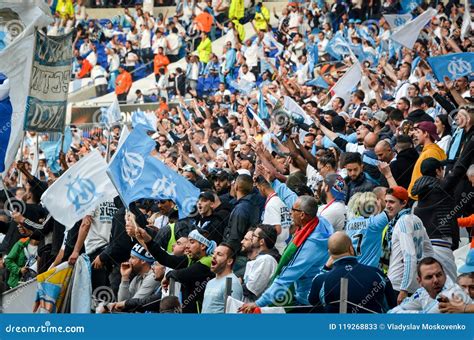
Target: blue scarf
455 143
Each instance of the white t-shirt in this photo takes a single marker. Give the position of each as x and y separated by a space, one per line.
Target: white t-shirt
145 40
335 213
258 274
277 213
99 232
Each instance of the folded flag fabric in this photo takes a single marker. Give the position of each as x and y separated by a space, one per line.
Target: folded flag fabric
407 34
52 286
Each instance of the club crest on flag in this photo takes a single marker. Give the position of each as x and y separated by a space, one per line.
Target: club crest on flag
132 167
164 186
459 67
80 192
399 21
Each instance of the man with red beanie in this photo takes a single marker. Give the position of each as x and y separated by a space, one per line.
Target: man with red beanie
409 242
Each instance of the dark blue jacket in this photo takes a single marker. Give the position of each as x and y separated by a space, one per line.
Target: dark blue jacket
245 214
368 287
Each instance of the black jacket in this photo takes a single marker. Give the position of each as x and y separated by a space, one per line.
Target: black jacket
216 223
361 184
402 166
435 206
147 304
245 214
193 276
118 249
419 115
363 281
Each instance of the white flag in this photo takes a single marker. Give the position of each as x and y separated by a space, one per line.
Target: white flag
347 83
291 106
466 20
113 114
407 34
397 20
79 190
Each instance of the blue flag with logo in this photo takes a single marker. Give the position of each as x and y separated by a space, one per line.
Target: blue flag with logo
453 66
338 47
136 174
409 5
51 150
147 120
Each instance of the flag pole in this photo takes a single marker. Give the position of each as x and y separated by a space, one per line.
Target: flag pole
6 193
109 129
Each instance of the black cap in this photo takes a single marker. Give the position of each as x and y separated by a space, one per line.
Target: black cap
249 157
338 124
430 165
207 195
222 174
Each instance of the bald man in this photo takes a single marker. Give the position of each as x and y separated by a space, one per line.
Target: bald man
368 288
384 151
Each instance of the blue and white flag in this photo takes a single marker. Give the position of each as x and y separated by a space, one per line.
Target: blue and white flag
319 82
112 114
147 120
296 111
79 190
453 66
397 20
51 149
49 85
407 34
262 106
338 47
410 5
136 174
17 25
253 115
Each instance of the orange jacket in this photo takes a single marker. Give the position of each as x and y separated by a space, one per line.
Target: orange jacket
85 69
123 83
160 61
466 221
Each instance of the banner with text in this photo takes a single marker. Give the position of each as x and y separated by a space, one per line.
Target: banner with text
51 73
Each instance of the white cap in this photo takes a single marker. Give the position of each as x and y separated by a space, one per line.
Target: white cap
244 172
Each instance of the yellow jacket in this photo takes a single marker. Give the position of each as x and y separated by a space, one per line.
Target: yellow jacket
237 9
430 150
204 50
240 29
65 8
262 18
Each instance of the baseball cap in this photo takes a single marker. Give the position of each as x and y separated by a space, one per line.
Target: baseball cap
428 127
399 192
380 116
248 157
337 186
430 165
207 195
468 267
222 174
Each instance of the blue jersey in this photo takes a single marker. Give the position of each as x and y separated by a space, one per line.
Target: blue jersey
366 235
